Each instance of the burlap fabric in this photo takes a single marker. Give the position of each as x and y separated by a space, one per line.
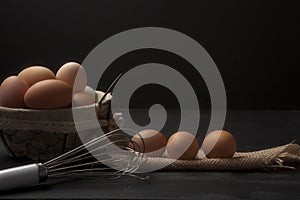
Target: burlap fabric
44 134
273 158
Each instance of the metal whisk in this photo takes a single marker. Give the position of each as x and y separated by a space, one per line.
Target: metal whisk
97 157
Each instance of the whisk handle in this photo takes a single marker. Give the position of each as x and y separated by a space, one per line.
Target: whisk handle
22 176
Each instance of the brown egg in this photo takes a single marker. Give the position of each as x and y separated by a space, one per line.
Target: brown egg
34 74
70 72
49 94
12 91
83 99
183 145
154 142
219 144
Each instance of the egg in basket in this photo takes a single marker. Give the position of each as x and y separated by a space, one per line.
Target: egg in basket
36 117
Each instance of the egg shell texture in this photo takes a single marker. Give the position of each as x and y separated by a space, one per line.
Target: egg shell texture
74 75
183 145
154 142
83 99
12 91
34 74
49 94
219 144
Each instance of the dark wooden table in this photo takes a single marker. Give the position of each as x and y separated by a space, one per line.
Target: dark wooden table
253 130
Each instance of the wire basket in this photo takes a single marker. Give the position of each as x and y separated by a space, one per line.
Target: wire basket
41 135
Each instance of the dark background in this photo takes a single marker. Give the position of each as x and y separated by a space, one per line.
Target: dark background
255 44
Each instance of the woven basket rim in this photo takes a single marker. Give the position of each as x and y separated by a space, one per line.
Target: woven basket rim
9 115
106 100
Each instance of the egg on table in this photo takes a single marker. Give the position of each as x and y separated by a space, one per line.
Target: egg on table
34 74
12 91
219 144
73 74
182 145
149 141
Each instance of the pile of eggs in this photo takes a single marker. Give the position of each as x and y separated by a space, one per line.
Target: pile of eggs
183 145
37 87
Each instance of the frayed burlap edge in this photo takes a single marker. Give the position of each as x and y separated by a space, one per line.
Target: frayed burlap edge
273 158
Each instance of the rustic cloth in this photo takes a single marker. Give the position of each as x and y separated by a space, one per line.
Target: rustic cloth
273 158
44 134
